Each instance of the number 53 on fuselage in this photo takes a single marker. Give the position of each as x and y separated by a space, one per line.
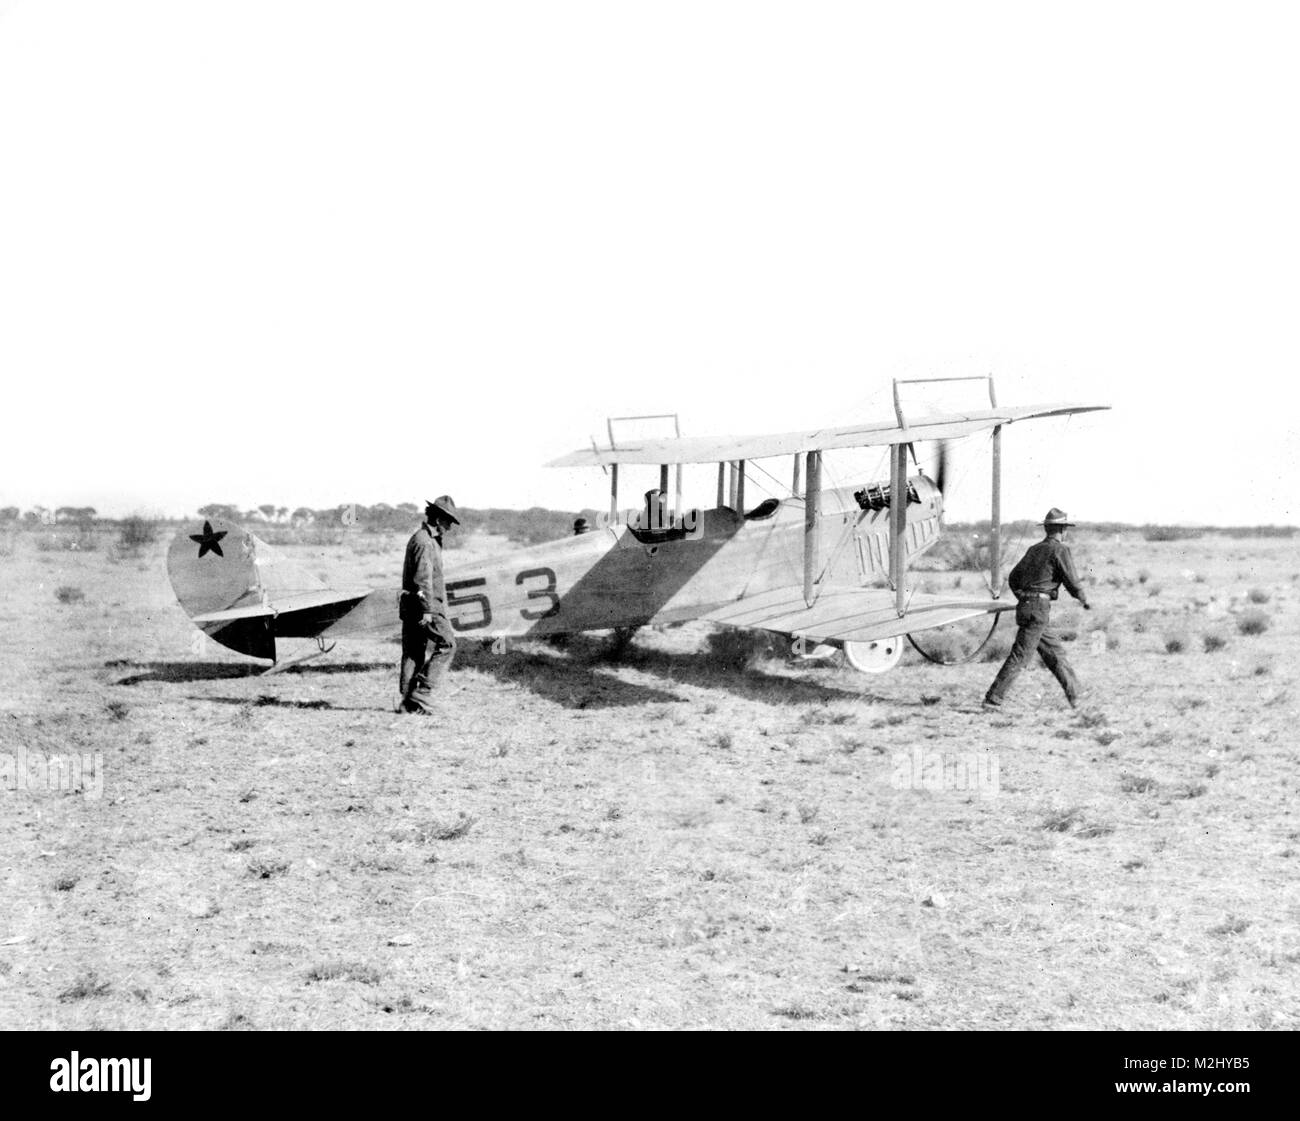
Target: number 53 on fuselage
825 565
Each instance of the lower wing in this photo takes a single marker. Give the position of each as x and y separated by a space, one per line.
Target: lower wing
849 614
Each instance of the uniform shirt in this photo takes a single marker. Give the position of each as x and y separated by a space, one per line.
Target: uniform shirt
422 570
1044 568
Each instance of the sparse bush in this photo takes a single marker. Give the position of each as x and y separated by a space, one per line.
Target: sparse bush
136 533
265 868
1213 642
1253 622
86 986
941 645
1189 790
1174 644
1258 595
453 830
999 646
738 649
1154 591
1231 925
1137 784
1062 821
66 593
966 553
344 971
1143 576
823 715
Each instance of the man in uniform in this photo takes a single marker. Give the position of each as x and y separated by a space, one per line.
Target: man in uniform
1035 582
428 642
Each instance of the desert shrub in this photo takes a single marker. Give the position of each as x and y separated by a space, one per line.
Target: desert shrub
1253 622
66 593
1175 644
359 972
1154 591
941 645
970 552
997 650
1144 575
1062 821
740 649
1137 784
1169 533
1213 642
1258 595
137 532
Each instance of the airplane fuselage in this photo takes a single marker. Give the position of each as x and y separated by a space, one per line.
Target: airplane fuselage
620 575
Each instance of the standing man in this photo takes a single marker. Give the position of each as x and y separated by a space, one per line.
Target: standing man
428 642
1035 582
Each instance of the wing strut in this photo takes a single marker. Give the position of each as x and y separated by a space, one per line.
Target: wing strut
812 515
898 525
995 513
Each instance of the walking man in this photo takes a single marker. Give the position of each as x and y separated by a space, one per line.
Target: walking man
428 642
1035 582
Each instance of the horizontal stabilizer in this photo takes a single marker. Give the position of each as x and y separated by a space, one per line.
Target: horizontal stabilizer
286 605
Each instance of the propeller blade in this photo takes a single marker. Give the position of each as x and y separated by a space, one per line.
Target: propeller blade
941 468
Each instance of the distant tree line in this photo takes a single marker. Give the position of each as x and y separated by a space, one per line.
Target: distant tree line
531 526
42 515
525 527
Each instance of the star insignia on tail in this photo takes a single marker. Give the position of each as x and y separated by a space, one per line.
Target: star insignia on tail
207 540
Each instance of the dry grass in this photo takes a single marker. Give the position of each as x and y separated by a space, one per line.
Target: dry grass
571 848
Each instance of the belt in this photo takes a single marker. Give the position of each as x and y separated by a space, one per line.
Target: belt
1036 595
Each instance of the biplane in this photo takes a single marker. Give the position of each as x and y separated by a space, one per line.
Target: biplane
827 567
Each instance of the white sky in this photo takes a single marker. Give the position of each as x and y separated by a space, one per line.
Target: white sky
309 253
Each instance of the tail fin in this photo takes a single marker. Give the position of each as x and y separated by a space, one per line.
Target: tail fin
219 566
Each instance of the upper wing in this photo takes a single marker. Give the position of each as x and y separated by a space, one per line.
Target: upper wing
708 449
849 614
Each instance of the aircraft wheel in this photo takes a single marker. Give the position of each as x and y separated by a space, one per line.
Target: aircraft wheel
878 656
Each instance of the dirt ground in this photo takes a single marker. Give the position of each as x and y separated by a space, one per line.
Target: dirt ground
653 842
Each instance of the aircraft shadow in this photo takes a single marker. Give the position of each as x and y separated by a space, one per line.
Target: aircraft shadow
267 701
577 676
565 681
701 669
183 672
